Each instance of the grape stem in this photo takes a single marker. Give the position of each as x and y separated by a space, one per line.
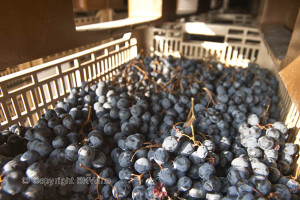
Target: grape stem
150 176
201 134
170 80
211 99
190 120
274 195
266 111
1 180
156 63
88 120
137 88
259 194
148 146
98 193
183 135
122 72
102 179
142 71
159 166
139 177
264 127
155 85
191 116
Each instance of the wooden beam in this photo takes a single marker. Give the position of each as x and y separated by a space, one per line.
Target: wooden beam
294 45
279 12
290 76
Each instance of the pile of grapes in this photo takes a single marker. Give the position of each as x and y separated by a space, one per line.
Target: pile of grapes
161 128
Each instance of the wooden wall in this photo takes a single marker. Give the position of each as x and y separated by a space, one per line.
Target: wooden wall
36 28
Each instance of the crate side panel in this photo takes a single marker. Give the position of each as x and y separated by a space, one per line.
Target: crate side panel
52 81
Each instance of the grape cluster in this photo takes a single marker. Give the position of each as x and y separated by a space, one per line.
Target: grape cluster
12 141
161 128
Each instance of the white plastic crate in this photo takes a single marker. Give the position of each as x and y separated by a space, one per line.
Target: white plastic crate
241 45
50 82
225 18
45 84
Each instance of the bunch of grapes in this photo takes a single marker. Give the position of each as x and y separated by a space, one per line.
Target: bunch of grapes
162 128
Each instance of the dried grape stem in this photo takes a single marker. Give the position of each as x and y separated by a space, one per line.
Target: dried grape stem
266 111
210 96
142 64
193 133
224 76
181 86
139 177
153 145
264 127
137 88
150 176
259 194
142 71
203 135
98 193
156 63
293 166
178 123
185 135
155 84
197 81
274 195
88 120
158 165
170 80
1 180
190 120
260 77
191 116
211 159
119 74
148 146
101 178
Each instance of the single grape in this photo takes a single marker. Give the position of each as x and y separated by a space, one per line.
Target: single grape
184 183
170 144
142 165
181 163
161 156
12 182
205 170
125 159
122 188
138 193
167 177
